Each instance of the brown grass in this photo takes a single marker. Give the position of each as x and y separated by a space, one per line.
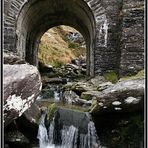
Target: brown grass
54 49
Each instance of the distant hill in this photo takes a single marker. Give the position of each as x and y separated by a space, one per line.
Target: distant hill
59 45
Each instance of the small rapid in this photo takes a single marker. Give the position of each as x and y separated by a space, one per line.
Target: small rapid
57 136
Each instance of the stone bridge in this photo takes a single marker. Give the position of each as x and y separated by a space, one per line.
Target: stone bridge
113 30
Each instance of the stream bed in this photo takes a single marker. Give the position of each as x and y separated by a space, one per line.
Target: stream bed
73 127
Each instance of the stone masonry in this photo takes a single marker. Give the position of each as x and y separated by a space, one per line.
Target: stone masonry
113 30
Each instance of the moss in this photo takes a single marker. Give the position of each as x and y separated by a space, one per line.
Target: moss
94 103
94 106
67 87
37 118
57 63
111 76
86 96
72 45
51 110
140 74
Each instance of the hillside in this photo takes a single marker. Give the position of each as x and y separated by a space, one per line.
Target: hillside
59 45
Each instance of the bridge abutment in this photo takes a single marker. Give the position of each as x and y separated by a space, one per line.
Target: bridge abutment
113 30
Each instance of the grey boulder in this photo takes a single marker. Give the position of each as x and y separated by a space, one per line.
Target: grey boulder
21 85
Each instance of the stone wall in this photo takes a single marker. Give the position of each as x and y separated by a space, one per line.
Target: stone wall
132 39
113 30
107 56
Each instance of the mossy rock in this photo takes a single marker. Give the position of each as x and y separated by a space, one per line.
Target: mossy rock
94 106
38 117
51 111
86 97
90 95
94 103
46 93
111 76
68 86
140 74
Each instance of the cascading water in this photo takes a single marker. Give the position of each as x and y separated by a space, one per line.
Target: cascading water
42 133
70 136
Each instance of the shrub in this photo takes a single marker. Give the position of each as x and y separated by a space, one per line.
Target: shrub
111 76
57 63
72 45
51 111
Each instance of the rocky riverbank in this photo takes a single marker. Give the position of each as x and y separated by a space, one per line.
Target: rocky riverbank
101 96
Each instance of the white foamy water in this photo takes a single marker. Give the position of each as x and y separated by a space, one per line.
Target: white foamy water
69 136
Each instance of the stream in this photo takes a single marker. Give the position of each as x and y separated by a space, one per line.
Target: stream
72 127
68 136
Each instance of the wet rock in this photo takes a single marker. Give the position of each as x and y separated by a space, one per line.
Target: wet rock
68 86
15 137
22 84
44 68
54 80
90 95
33 114
105 85
76 118
82 87
96 81
72 98
125 96
28 122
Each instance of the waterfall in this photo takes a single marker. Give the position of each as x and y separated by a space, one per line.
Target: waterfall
51 131
70 136
92 136
42 133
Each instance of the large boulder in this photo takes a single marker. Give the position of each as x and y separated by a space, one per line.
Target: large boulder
71 97
21 84
83 87
44 68
90 95
124 96
28 122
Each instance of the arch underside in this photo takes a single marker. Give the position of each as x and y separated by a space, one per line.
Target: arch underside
36 17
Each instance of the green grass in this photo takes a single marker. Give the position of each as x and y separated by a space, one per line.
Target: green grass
57 63
140 74
73 45
111 76
51 110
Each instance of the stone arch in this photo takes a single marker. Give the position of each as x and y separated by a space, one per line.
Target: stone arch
37 16
88 15
96 20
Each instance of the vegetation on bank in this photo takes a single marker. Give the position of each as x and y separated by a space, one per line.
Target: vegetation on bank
56 50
